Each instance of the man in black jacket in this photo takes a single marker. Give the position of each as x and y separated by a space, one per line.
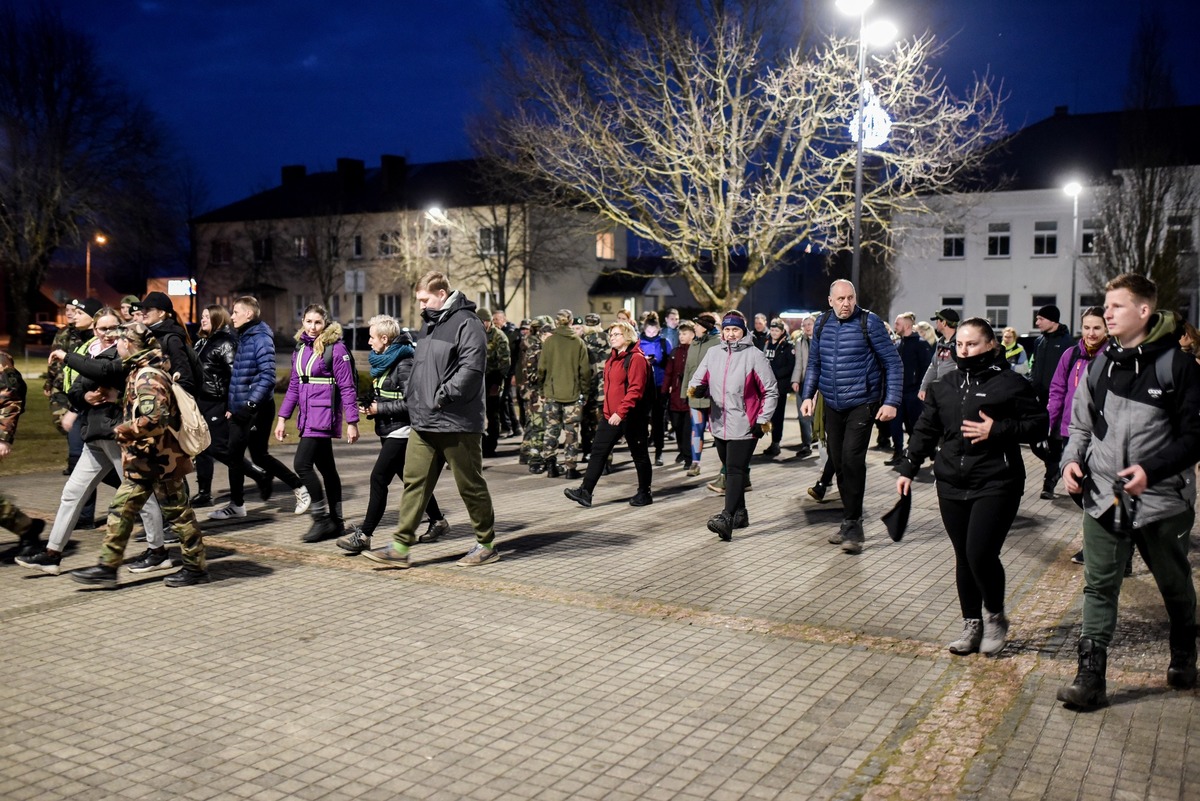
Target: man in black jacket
1049 348
446 407
916 355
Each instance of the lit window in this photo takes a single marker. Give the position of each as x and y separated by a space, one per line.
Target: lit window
300 246
606 246
998 244
1045 238
954 242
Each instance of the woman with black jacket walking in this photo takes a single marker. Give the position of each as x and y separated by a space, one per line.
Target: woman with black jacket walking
981 412
782 357
391 363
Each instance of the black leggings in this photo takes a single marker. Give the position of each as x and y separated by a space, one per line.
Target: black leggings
634 429
253 434
779 417
977 529
388 465
735 455
318 452
681 424
218 451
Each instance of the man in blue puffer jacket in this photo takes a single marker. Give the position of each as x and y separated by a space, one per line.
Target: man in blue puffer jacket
252 412
854 364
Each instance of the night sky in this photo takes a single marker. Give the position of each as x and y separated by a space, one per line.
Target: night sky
246 86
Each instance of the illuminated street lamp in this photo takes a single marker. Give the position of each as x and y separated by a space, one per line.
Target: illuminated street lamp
1072 190
99 239
870 125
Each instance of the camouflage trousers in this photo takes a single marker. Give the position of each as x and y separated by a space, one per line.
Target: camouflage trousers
172 497
563 422
12 518
535 427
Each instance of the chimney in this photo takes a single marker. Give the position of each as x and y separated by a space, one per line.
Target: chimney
1060 111
395 171
351 174
292 175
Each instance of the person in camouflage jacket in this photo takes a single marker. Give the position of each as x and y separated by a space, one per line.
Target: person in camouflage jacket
593 405
535 425
153 463
12 404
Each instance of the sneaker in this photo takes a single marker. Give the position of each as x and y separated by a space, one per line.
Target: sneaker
354 540
41 561
479 555
170 535
30 542
995 632
303 500
1047 495
693 470
1078 557
96 575
437 529
968 641
717 485
741 519
641 499
388 556
228 512
202 499
771 451
804 452
817 493
188 577
150 561
722 526
658 462
580 496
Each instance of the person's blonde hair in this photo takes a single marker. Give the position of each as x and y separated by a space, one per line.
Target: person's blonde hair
1008 328
386 326
627 330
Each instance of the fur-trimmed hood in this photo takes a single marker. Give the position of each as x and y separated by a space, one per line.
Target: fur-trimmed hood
331 334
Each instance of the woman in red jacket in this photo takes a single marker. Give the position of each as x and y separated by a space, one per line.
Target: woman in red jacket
626 374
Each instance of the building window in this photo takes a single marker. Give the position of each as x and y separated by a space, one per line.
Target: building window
390 305
1090 236
1179 233
358 247
439 242
1088 301
1038 302
1045 238
263 250
332 248
221 253
492 240
486 300
300 246
389 244
300 303
953 302
954 242
606 246
996 310
335 306
998 234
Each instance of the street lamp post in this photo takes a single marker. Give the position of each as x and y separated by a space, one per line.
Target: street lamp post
1073 189
877 33
99 239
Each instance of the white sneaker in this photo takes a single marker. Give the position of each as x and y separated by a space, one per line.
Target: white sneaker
303 501
230 511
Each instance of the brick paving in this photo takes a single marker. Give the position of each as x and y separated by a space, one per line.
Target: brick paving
612 653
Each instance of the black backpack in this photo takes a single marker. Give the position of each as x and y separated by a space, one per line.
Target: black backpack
650 393
327 356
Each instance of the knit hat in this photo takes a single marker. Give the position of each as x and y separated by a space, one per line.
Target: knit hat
88 306
1050 313
707 320
484 315
735 320
157 300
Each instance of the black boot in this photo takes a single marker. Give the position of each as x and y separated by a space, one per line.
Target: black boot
323 527
721 524
1088 690
552 468
897 457
1182 672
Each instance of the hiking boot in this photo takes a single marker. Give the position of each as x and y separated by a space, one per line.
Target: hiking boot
1182 672
968 642
479 555
97 575
552 469
1078 557
228 512
150 561
202 499
721 525
693 469
1089 689
436 530
323 527
642 498
717 485
354 541
30 542
44 561
817 493
573 474
580 496
839 536
741 519
995 632
388 556
303 500
188 577
853 537
771 450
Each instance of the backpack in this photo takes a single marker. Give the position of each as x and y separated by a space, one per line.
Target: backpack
650 393
192 432
1162 370
824 318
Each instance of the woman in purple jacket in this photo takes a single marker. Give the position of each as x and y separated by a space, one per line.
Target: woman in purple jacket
1071 369
322 387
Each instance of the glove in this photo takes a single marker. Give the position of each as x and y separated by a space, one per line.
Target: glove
698 392
760 430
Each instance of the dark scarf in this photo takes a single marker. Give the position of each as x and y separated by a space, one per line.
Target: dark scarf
381 363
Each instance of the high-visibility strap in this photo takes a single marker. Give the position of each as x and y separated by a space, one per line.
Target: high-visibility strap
305 370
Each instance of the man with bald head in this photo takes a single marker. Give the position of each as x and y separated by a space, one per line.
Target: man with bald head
854 364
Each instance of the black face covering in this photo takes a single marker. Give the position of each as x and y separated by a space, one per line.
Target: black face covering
430 315
973 364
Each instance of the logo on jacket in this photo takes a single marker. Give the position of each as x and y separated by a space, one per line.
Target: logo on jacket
1155 392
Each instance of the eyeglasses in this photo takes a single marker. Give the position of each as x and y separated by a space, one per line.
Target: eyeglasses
107 329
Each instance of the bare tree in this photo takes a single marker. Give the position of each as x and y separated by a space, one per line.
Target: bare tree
696 137
319 248
77 151
409 248
1147 208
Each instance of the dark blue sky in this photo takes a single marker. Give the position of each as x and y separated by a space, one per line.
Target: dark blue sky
249 85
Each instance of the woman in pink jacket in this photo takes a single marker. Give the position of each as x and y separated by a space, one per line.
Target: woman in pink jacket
323 389
1071 369
738 379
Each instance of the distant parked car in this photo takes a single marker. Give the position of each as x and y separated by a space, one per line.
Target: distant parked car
41 333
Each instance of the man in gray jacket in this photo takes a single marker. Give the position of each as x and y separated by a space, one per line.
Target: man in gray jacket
1134 437
447 409
945 323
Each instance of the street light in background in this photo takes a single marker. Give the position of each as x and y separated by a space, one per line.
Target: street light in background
1073 189
99 239
865 132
